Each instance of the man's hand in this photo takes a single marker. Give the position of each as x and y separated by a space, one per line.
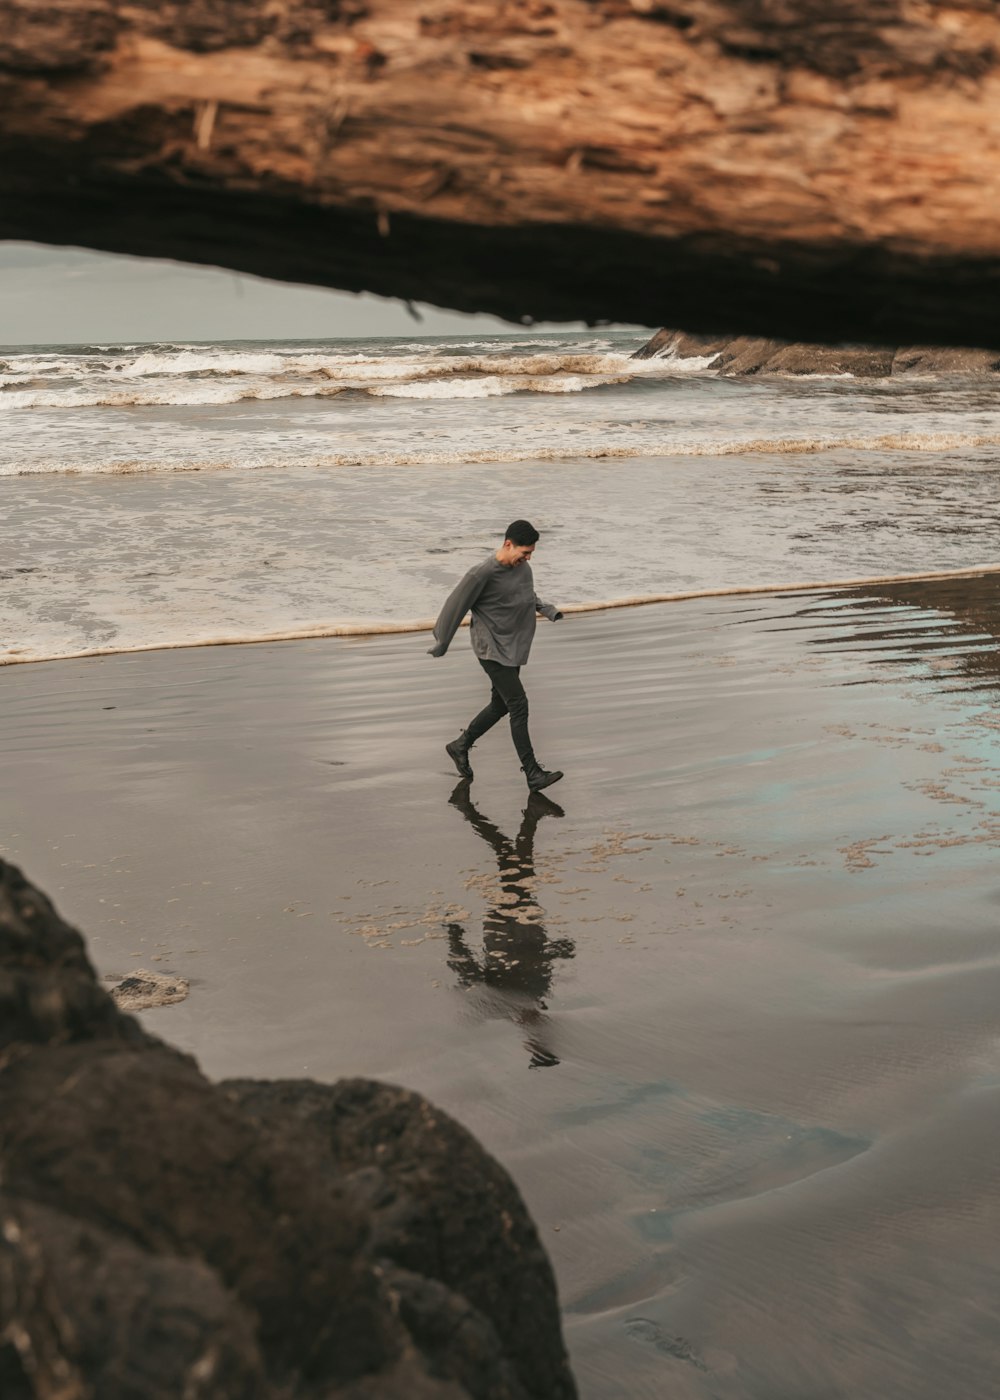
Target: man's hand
438 650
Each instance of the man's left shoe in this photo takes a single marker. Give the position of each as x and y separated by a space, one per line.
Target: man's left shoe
458 752
539 777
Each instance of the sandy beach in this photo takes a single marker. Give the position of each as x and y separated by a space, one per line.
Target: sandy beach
728 1013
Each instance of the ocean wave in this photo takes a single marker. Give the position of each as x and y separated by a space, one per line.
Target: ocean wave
566 452
191 377
494 386
128 347
472 381
19 656
189 394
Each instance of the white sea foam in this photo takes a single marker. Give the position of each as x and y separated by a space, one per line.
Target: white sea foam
244 406
495 385
164 376
188 393
686 364
573 450
13 656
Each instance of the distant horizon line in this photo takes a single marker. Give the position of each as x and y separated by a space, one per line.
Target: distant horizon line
125 341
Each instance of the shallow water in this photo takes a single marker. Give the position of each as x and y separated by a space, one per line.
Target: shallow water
440 401
168 559
163 495
732 1020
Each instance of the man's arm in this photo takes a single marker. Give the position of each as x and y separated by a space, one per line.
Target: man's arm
548 610
458 603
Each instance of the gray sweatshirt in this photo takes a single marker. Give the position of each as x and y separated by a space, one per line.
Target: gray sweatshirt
504 603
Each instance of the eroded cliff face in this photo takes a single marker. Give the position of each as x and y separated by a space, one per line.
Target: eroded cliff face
816 171
745 355
163 1236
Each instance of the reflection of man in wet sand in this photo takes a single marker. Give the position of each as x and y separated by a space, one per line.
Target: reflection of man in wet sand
501 595
515 969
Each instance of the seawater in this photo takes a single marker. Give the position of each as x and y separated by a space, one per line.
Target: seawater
170 493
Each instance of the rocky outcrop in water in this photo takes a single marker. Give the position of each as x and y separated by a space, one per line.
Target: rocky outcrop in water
748 355
161 1236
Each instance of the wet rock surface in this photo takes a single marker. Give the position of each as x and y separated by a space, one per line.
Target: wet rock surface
162 1236
748 355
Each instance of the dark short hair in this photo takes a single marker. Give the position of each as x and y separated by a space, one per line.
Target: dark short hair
521 532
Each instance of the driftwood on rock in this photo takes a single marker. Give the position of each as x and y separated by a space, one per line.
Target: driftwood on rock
163 1237
823 171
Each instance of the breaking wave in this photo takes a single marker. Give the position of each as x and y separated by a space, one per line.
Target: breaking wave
565 452
18 657
191 376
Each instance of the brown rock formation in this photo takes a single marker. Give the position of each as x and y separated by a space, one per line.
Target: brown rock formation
924 359
816 171
163 1237
746 355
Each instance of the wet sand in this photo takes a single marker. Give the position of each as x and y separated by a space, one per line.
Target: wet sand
732 1019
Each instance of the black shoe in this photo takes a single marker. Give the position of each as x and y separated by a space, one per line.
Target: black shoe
539 777
458 752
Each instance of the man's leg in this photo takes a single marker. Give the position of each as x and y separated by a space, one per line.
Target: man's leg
508 688
488 717
458 749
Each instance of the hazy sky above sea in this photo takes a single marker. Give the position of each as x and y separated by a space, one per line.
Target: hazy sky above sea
64 295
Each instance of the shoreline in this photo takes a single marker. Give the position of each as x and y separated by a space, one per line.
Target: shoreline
388 629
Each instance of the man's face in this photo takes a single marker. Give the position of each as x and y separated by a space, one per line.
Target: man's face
518 553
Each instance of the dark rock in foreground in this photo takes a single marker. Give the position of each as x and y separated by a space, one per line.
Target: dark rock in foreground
747 355
164 1237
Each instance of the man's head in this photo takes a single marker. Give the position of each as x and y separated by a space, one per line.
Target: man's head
519 543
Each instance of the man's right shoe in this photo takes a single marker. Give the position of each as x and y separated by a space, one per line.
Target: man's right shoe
539 777
458 752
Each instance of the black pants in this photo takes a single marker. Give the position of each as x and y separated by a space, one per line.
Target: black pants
508 698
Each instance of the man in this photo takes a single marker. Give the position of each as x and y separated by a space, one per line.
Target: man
501 594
